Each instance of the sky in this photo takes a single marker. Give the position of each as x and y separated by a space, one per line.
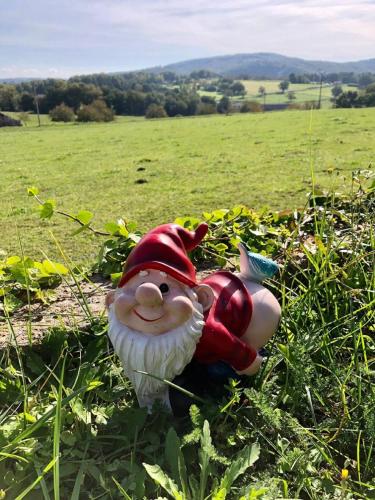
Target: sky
61 38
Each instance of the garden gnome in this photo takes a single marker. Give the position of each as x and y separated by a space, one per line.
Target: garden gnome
160 317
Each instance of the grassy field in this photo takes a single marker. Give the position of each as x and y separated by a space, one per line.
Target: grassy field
154 171
303 92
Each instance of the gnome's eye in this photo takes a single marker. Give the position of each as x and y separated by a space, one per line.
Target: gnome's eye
164 288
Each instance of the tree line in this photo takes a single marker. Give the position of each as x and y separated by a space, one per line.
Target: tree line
360 79
124 94
356 99
153 94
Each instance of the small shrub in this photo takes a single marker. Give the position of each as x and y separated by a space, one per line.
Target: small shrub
97 111
304 105
311 105
224 106
251 107
156 111
62 113
205 108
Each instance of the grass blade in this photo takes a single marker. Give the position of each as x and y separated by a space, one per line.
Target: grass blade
56 436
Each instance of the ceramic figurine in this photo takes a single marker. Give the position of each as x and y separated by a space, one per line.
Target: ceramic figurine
160 317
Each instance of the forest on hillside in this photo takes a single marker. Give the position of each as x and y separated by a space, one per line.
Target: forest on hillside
164 94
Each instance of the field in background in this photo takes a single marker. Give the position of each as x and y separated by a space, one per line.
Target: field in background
303 92
152 171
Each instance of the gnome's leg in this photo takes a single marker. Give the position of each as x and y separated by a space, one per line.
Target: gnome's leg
265 318
255 268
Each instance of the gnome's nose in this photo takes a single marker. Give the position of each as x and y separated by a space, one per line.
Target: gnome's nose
148 294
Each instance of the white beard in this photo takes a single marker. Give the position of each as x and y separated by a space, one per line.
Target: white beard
164 355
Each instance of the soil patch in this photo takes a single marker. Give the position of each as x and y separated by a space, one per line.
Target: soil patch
69 309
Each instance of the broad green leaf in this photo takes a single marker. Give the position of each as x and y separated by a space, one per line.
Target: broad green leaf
253 493
219 214
29 418
84 216
220 495
131 226
115 278
32 191
245 459
160 477
172 449
111 227
46 210
54 267
206 451
194 486
11 302
221 247
117 228
182 471
14 259
187 222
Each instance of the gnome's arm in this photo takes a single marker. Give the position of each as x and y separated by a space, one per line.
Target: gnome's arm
218 344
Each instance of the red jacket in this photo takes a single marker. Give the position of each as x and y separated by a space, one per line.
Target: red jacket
225 323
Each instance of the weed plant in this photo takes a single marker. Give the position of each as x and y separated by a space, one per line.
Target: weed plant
304 427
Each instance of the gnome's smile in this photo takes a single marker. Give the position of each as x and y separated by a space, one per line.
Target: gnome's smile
145 319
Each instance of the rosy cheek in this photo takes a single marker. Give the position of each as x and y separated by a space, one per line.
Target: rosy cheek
123 306
180 308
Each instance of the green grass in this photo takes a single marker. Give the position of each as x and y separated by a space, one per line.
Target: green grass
303 428
303 92
190 165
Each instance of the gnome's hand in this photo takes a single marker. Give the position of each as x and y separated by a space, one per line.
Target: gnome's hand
253 368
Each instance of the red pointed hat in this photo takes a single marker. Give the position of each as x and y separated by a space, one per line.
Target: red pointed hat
165 248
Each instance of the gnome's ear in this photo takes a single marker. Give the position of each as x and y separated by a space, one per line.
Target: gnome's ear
205 296
110 298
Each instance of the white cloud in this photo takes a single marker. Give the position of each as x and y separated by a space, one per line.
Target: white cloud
294 27
121 34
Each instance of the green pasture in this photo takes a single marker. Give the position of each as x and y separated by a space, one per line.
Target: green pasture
303 92
152 171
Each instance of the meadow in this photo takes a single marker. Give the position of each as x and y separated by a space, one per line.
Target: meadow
304 427
152 171
303 92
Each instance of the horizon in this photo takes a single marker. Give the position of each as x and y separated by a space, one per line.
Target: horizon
175 62
65 39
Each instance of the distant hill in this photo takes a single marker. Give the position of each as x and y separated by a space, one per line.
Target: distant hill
264 65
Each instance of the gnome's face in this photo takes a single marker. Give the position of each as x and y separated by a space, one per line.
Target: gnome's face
153 302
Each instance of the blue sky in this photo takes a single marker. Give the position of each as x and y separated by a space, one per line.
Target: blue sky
60 38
